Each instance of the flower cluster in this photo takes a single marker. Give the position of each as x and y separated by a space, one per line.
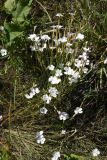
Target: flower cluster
95 152
39 42
70 68
33 91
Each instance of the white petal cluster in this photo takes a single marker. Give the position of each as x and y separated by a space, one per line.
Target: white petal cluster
46 98
45 37
82 61
34 37
68 48
53 92
56 42
63 131
74 78
33 92
57 26
39 42
78 63
84 56
95 152
56 155
62 40
80 36
40 137
43 110
59 15
51 67
78 110
58 73
86 49
63 115
68 71
54 80
3 52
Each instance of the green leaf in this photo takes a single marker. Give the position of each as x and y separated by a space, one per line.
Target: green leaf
13 31
14 35
10 5
21 12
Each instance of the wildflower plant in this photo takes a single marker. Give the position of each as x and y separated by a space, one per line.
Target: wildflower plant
47 65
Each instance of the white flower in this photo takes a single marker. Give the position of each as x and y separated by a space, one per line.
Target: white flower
68 44
72 14
63 115
52 48
78 63
78 110
43 110
58 72
95 152
58 26
60 50
53 91
1 117
54 80
80 36
68 71
85 70
56 155
56 42
46 98
53 26
33 91
74 78
41 49
33 37
69 34
84 56
59 15
63 131
45 38
3 52
76 75
51 67
105 61
1 28
39 134
29 96
69 50
40 137
86 49
62 40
